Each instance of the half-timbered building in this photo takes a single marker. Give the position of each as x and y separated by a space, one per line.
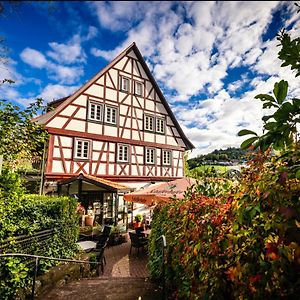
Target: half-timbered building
118 126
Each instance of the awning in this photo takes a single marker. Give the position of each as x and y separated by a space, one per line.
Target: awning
103 183
161 193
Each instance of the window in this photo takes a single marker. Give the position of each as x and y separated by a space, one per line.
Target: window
95 111
123 153
124 84
111 115
160 125
82 149
150 156
138 88
149 123
166 157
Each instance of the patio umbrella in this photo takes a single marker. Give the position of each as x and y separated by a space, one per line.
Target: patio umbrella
161 193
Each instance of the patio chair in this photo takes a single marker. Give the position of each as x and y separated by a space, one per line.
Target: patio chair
106 230
137 241
100 258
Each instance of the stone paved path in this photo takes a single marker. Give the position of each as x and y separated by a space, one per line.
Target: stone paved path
125 278
121 264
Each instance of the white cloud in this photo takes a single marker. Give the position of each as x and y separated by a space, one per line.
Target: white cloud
33 58
92 32
69 59
55 91
68 53
120 15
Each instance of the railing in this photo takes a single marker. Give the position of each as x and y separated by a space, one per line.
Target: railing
163 240
37 262
26 241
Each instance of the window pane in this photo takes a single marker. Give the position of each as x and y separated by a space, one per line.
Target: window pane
124 84
138 88
125 153
98 115
92 115
160 125
149 123
113 117
79 148
85 150
108 114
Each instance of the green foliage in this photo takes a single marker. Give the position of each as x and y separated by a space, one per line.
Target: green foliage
228 155
22 214
138 218
206 171
20 138
280 127
242 244
290 51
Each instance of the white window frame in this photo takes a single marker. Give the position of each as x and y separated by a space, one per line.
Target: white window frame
97 104
159 126
110 121
147 123
168 161
123 86
136 84
150 162
120 148
76 144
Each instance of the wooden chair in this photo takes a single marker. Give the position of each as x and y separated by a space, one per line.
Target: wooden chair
100 258
137 241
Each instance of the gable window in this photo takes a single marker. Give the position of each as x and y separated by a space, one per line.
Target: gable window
82 149
166 157
149 123
123 153
111 115
138 88
124 84
150 156
160 125
95 111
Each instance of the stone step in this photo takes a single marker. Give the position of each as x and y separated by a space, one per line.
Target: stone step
106 289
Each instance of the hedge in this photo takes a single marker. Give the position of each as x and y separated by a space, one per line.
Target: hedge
242 245
22 214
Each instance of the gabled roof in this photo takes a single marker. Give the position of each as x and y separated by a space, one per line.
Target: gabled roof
43 119
103 183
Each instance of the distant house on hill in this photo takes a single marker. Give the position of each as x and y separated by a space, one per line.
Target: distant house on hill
115 133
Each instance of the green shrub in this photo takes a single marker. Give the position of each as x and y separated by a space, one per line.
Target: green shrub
22 214
244 245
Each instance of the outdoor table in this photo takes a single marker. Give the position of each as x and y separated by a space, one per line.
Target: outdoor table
87 245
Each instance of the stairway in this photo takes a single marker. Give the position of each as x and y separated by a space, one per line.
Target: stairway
124 288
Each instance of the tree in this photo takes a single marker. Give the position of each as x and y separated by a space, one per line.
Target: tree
20 139
280 128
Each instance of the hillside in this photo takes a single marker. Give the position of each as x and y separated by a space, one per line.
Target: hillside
228 156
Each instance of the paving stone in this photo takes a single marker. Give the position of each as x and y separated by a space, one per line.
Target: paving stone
125 277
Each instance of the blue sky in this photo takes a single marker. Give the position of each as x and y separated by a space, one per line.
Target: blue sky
209 58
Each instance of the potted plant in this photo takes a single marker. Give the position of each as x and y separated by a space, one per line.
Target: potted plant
138 221
89 218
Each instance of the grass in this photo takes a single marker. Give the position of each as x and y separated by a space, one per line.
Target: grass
209 167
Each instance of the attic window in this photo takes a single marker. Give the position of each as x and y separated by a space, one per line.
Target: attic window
138 88
124 84
160 125
95 111
111 115
149 123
